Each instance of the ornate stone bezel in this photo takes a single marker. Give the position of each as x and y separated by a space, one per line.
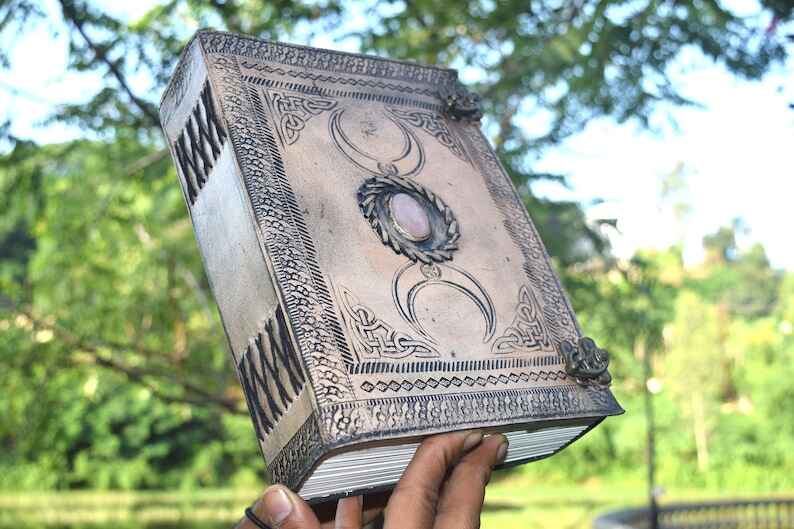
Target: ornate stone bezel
374 198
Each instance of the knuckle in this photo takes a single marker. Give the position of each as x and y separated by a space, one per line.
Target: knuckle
443 448
422 497
296 520
437 442
479 472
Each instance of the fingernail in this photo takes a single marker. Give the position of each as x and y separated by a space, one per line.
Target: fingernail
471 440
278 505
501 452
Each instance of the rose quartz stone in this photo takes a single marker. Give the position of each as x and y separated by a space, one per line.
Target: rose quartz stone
410 217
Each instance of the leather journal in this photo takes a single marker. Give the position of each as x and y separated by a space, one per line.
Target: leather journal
377 274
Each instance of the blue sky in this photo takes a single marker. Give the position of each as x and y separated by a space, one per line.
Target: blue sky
735 151
735 154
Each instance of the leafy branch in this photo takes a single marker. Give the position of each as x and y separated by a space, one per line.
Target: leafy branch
71 14
95 352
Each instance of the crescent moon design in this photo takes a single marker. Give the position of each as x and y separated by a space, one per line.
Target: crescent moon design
408 162
412 278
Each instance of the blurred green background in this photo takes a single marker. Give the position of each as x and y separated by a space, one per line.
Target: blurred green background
117 402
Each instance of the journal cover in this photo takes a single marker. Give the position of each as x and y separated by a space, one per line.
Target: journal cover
378 276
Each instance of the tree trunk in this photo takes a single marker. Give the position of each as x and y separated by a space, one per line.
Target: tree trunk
699 428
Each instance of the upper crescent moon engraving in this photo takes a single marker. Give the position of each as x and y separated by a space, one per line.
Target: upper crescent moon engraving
409 161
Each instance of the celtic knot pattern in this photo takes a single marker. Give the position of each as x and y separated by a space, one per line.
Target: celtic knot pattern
434 124
373 338
293 110
528 332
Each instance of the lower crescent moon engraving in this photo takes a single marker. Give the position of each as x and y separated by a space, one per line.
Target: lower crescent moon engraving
413 277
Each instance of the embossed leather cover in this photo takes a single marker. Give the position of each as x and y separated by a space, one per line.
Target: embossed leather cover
353 316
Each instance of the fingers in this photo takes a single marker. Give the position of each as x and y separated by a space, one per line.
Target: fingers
348 513
374 504
367 509
460 462
461 502
281 508
413 502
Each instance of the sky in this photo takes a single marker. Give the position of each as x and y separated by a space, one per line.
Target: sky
735 154
734 151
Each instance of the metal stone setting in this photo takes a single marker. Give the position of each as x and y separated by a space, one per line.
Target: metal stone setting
375 197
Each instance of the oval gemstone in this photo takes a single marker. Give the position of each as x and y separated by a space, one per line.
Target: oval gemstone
410 217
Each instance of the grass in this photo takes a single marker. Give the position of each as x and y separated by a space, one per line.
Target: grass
514 500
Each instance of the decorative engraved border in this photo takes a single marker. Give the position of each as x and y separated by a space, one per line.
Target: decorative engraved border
334 61
289 246
351 81
474 364
349 94
463 381
298 456
354 422
367 419
177 87
537 265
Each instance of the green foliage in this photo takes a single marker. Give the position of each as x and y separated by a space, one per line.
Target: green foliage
744 283
724 376
114 368
110 337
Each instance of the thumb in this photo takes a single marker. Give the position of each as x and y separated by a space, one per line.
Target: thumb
283 509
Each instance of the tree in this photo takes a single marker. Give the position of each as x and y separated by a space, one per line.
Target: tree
742 281
100 281
693 360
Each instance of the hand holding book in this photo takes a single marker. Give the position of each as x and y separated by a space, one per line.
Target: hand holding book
442 487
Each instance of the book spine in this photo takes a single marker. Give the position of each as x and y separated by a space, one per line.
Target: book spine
263 349
304 292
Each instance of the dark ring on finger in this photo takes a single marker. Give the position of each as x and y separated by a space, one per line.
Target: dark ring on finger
255 519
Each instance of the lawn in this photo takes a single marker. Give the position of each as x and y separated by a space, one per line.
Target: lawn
514 500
